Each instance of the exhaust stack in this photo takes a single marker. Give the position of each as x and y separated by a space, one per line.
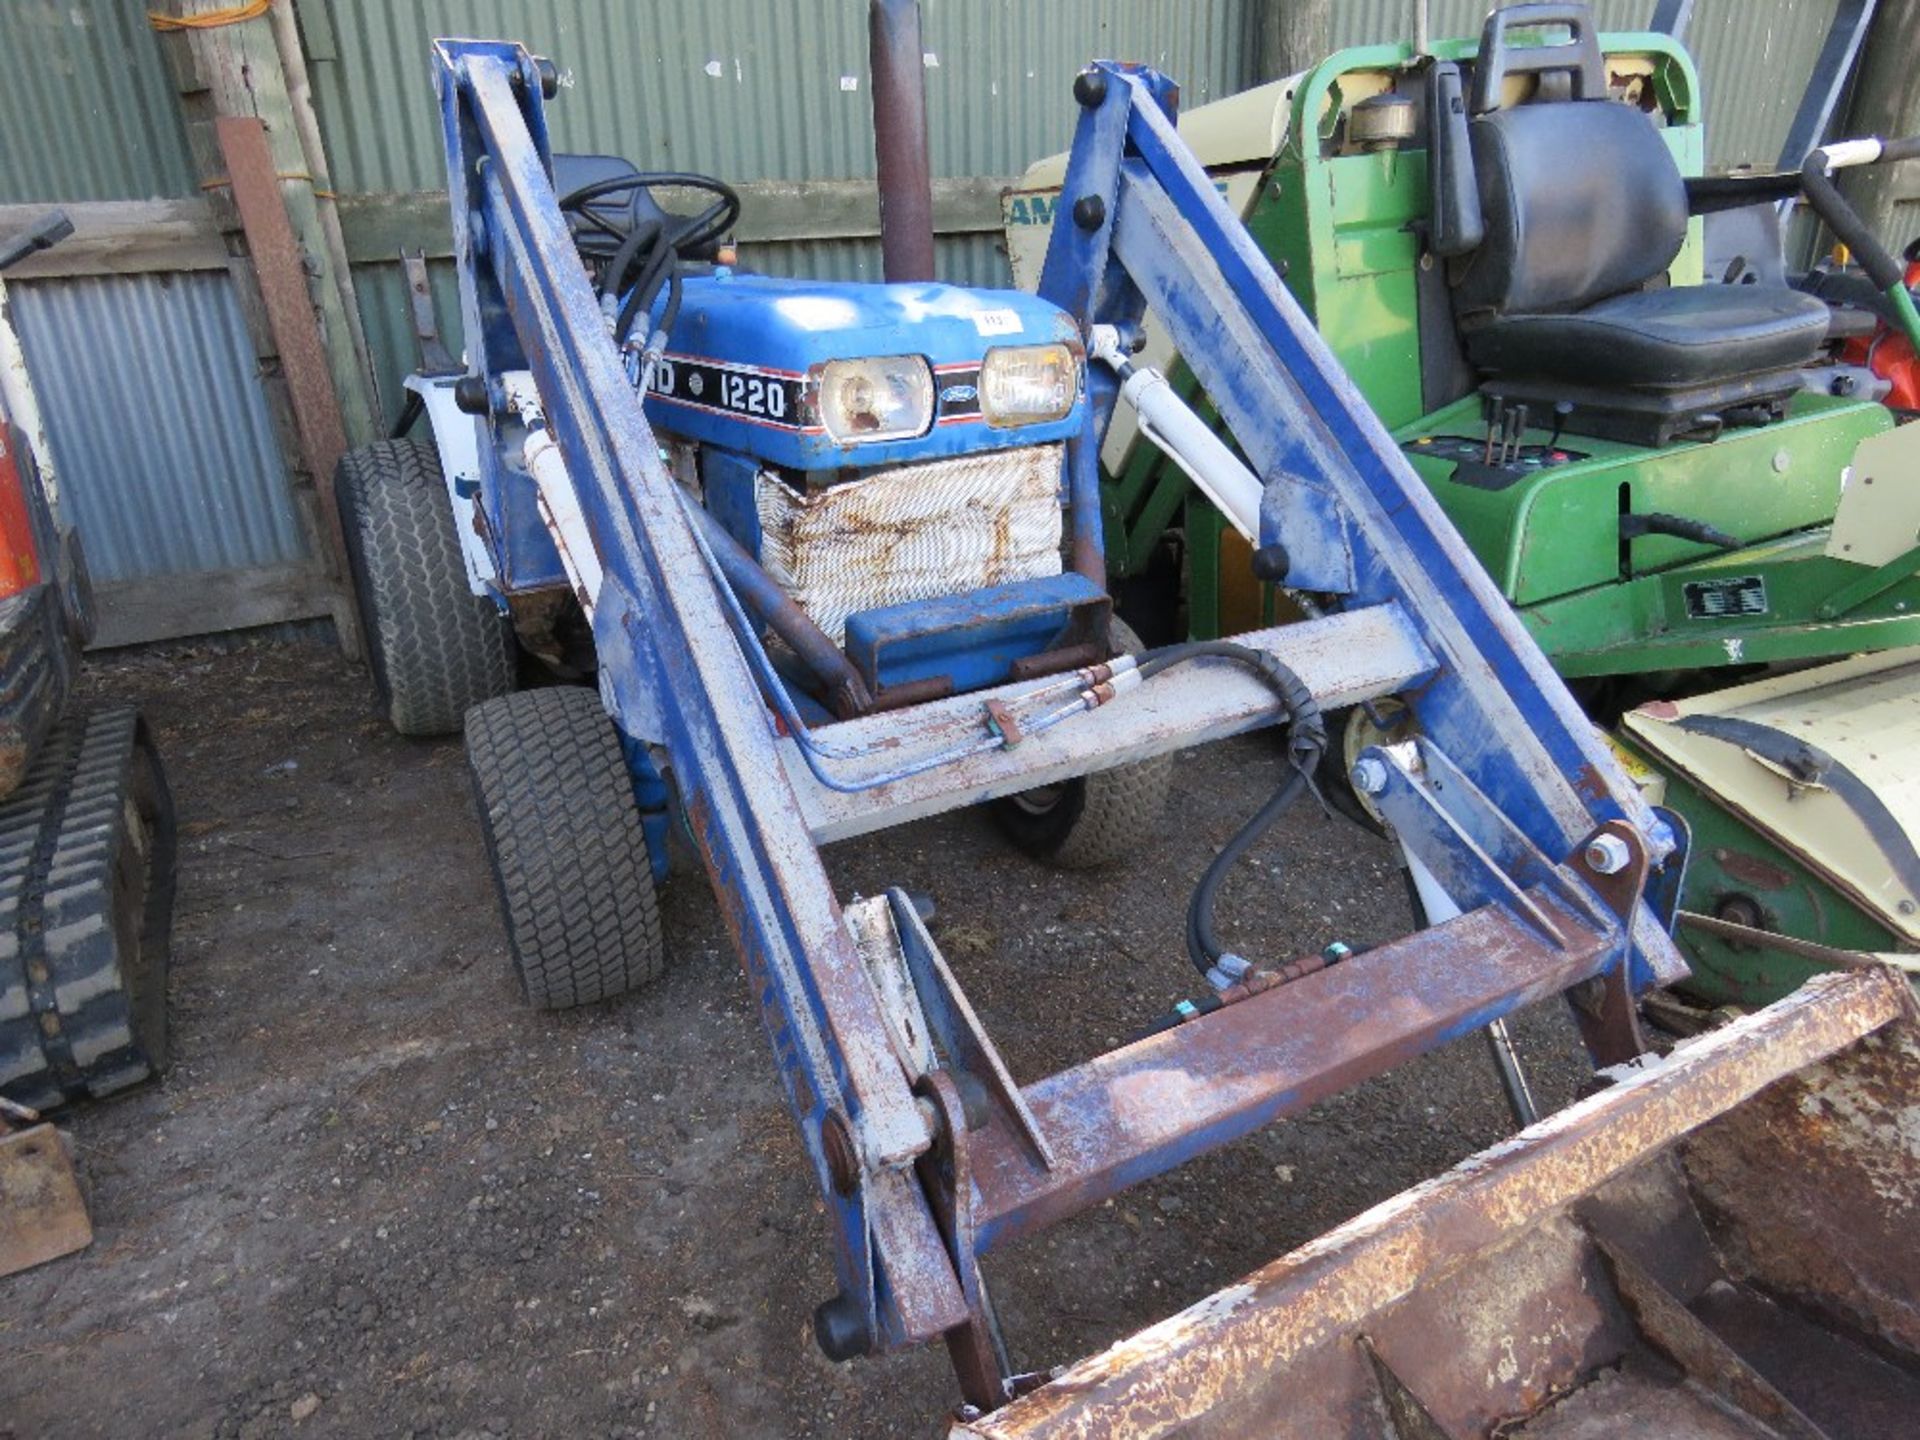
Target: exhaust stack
900 140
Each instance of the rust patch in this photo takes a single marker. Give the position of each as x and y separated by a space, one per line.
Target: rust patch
1752 871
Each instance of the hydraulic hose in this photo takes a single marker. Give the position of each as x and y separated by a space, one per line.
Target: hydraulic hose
1306 739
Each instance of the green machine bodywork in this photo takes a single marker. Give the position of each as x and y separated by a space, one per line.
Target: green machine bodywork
1344 221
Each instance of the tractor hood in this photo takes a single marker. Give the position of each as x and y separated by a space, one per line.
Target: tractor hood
748 355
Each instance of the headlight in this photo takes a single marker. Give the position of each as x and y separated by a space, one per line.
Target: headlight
883 399
1028 384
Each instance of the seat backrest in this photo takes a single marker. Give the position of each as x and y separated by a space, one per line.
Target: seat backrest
1581 199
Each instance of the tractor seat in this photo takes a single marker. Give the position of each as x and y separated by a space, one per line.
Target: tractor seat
1565 297
1694 335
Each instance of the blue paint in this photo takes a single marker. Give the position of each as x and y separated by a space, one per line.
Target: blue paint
650 795
673 676
971 639
727 480
762 341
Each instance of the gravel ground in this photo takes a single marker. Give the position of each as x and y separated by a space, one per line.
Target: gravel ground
377 1196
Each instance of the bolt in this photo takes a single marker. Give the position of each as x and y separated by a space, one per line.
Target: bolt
843 1157
1090 88
1608 854
1089 212
1369 775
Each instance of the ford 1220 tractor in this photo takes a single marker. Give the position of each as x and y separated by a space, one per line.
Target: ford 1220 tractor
830 557
1680 470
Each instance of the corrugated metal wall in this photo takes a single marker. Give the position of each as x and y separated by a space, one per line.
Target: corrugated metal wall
161 472
167 462
748 90
86 108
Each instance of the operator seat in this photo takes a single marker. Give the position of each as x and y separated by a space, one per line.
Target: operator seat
1565 296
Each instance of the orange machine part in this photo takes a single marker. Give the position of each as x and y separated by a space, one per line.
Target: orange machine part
19 561
1889 354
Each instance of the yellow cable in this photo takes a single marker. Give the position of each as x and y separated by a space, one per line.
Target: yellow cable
210 19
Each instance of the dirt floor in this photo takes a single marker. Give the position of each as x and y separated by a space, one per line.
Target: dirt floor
378 1196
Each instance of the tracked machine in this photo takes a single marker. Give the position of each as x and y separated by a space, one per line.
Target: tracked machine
828 558
1690 478
86 819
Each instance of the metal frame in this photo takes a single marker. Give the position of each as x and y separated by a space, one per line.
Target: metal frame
1831 72
927 1153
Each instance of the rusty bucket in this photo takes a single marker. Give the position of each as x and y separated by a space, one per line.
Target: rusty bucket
1720 1244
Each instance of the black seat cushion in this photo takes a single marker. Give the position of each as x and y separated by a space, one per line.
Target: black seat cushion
1582 200
1658 339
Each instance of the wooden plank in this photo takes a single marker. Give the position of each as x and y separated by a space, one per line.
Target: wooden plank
239 70
277 263
168 607
131 237
122 237
235 70
379 227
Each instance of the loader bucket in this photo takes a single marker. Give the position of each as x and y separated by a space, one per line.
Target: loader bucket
1718 1245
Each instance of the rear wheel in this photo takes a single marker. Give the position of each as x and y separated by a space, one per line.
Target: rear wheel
1092 820
434 647
564 839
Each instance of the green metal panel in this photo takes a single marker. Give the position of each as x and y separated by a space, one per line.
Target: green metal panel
1556 531
1731 860
87 110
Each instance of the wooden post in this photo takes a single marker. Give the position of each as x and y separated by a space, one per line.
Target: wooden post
290 314
1886 102
233 70
1294 35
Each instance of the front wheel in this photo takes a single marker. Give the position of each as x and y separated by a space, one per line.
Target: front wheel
1092 820
566 845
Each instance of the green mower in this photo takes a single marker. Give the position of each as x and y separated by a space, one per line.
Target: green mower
1698 494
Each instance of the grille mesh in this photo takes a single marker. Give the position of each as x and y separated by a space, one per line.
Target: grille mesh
916 532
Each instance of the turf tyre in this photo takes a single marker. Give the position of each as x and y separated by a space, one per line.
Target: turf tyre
435 648
565 843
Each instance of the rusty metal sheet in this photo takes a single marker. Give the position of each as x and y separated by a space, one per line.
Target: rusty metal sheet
1814 1190
1247 1342
42 1214
1142 1109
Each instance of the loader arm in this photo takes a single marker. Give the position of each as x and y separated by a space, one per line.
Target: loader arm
927 1151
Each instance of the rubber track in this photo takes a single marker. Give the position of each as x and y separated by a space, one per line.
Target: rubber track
569 857
83 962
436 648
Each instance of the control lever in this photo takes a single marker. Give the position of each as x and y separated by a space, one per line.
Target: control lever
1632 527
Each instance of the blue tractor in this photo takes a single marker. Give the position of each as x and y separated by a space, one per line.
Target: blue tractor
878 470
811 560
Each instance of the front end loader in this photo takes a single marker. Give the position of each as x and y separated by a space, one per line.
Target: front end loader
1679 477
669 478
